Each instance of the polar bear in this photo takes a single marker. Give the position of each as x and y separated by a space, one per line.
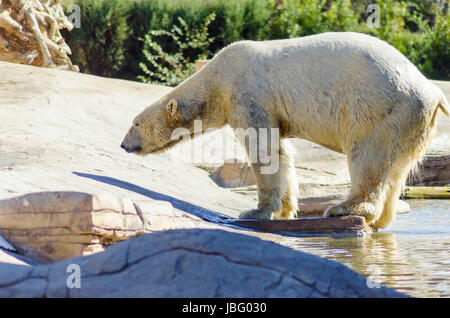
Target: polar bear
349 92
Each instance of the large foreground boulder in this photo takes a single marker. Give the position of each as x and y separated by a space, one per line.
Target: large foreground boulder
190 263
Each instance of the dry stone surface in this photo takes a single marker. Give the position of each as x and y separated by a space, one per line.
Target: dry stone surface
233 174
57 225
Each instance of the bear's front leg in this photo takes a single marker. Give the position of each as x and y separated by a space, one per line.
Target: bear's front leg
277 187
269 206
270 158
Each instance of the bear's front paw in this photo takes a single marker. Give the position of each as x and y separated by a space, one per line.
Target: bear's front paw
257 214
365 209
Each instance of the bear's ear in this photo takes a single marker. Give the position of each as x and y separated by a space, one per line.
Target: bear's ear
172 107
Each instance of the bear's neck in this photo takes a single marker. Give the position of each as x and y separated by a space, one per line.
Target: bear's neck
200 99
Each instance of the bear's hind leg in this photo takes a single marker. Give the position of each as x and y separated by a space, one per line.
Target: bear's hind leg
380 165
355 206
397 180
399 172
369 165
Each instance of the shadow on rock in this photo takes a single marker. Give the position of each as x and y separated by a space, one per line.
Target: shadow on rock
184 206
191 263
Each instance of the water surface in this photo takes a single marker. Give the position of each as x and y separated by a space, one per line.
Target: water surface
412 255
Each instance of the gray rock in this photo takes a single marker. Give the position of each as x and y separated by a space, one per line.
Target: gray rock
11 274
434 170
192 263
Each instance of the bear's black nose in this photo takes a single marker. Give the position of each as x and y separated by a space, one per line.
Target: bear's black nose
133 149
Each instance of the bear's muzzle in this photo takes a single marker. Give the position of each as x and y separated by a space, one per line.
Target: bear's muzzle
131 149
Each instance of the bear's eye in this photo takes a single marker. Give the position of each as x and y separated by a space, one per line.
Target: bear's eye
136 125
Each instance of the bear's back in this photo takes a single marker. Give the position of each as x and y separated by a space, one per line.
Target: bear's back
333 44
336 54
334 61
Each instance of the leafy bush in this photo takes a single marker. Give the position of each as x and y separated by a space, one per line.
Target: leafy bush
112 38
98 46
235 20
292 18
188 44
433 54
429 47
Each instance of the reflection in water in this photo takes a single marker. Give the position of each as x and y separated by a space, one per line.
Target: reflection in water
412 255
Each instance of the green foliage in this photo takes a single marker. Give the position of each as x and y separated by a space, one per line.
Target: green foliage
432 56
98 46
429 47
187 44
113 35
293 18
392 21
235 20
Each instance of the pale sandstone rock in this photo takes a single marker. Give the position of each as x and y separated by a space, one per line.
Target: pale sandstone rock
58 225
61 131
234 174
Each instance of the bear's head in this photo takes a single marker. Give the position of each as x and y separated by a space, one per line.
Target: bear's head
152 129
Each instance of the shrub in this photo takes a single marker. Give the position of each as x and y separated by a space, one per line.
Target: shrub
98 46
433 55
292 18
235 20
111 40
186 45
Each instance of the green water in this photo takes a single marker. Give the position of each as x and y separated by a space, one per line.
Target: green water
412 255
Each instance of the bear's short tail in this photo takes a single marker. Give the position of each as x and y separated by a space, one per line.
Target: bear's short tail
444 105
